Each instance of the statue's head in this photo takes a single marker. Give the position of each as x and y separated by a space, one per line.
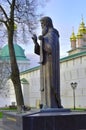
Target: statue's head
46 23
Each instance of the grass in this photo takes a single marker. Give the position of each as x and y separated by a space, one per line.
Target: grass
14 109
1 114
6 109
79 109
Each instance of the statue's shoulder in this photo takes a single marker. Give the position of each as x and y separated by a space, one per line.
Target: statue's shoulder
53 30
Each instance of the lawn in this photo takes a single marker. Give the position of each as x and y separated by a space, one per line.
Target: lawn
14 109
78 109
6 109
1 115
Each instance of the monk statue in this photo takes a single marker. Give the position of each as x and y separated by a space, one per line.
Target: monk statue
48 49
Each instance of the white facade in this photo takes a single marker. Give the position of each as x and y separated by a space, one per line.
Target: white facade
7 95
30 89
73 70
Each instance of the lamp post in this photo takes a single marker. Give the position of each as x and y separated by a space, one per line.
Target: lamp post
74 85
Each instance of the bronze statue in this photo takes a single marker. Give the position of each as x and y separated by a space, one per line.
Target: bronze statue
49 64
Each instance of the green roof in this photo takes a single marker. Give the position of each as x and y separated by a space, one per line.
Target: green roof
30 70
73 56
61 60
19 52
24 81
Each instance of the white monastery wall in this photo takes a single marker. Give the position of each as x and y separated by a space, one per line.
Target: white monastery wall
31 91
73 71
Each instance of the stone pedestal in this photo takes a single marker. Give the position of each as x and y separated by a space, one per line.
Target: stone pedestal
45 120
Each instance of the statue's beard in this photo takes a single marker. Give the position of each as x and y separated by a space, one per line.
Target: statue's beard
44 31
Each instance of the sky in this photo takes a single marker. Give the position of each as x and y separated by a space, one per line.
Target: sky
66 15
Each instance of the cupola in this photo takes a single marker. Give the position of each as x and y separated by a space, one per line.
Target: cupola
73 37
19 52
81 30
73 41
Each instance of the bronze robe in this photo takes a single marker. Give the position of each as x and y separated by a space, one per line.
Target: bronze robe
49 69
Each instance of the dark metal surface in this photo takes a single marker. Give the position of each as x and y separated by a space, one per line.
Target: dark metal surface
56 121
45 120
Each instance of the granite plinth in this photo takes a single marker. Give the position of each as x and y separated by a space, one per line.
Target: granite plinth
44 120
14 120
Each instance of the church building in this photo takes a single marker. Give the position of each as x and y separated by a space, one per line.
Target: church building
73 71
6 89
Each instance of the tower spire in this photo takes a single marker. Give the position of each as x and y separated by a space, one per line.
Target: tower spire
73 37
82 17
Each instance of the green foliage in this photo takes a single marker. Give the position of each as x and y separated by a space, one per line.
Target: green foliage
1 114
79 109
6 109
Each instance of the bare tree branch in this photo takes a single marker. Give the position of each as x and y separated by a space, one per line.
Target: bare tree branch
23 11
9 2
4 12
5 22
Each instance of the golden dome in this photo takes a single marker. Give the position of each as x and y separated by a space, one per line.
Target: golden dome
79 34
85 30
73 37
82 29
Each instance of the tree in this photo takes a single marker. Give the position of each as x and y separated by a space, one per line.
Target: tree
21 12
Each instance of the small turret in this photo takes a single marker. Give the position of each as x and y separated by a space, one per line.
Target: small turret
82 28
73 41
81 33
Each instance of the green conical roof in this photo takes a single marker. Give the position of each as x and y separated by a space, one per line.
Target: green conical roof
19 52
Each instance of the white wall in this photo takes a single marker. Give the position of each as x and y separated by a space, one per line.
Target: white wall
73 71
31 91
70 71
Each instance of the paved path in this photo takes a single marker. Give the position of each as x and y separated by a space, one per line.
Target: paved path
1 125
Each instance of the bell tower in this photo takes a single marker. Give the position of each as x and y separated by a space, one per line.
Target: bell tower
73 40
78 42
81 35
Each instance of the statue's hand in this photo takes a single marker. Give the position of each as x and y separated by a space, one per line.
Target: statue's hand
34 38
40 37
